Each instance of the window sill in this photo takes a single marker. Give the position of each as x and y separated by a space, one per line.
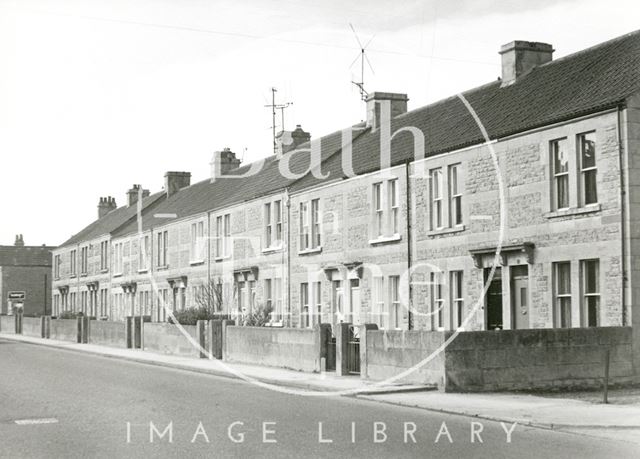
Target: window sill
196 262
162 268
385 239
310 251
72 276
83 274
441 231
143 271
218 259
104 270
591 208
269 250
117 275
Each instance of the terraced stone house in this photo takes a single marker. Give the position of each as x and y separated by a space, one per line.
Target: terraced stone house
512 205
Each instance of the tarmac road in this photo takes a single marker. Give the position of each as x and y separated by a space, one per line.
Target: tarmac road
69 404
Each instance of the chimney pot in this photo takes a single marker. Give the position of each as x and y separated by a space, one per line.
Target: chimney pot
19 242
397 106
132 194
520 57
106 205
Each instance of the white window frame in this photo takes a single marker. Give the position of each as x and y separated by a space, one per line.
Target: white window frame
436 181
457 298
394 206
580 141
437 300
585 296
455 196
394 318
554 148
559 298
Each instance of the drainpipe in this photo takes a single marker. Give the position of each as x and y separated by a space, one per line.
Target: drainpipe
288 249
409 244
623 263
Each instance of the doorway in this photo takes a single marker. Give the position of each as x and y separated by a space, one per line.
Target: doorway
493 299
520 296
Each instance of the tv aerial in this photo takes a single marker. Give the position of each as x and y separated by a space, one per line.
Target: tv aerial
362 57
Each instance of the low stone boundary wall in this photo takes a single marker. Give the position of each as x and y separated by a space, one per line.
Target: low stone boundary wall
64 330
390 352
32 326
106 333
537 359
7 324
165 338
293 348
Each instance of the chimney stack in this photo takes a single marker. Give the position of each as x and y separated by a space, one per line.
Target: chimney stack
223 162
132 195
175 181
397 104
520 57
106 205
19 241
287 141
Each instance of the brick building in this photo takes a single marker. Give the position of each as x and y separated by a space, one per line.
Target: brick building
25 278
527 189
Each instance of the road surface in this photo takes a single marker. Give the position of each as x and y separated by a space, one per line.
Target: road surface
58 403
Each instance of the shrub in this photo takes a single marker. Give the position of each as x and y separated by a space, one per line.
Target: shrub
190 316
259 317
69 315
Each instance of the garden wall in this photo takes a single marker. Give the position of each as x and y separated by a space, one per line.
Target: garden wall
7 324
64 330
293 348
165 338
108 333
32 326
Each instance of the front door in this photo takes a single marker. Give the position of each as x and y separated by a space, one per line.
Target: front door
354 301
493 300
520 296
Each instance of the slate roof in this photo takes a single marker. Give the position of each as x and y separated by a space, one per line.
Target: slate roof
582 83
113 220
205 195
11 255
586 82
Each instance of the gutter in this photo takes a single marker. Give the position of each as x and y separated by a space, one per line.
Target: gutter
409 245
623 213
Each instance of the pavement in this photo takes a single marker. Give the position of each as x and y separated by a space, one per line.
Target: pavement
57 403
529 410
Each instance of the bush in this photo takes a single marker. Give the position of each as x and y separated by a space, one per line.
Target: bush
190 316
258 317
69 315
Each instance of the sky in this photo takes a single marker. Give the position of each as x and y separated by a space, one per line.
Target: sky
96 96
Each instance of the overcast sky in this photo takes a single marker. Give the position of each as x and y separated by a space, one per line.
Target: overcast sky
98 95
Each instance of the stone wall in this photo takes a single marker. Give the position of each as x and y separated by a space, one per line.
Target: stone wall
537 359
7 324
64 330
32 326
165 338
296 349
389 353
106 333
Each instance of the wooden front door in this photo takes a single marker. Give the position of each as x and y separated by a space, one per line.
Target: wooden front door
520 296
493 300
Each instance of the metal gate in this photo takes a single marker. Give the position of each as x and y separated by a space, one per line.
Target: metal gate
353 352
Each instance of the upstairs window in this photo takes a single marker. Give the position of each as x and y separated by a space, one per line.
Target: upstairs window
104 255
436 199
223 236
455 196
386 209
197 242
143 253
588 169
560 166
84 260
162 244
310 233
379 212
56 266
72 262
273 224
117 256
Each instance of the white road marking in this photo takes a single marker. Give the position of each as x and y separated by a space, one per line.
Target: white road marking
25 422
165 215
